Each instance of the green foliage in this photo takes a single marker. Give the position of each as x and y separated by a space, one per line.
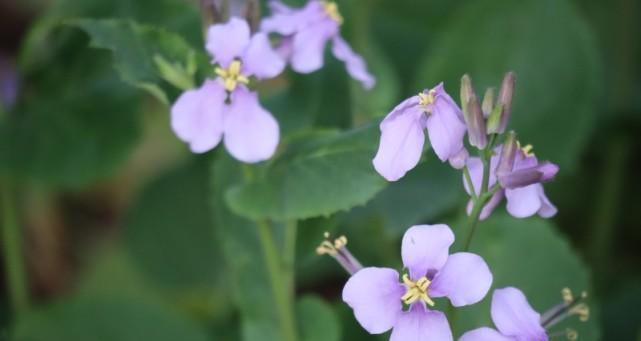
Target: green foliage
556 64
333 174
317 321
106 318
145 56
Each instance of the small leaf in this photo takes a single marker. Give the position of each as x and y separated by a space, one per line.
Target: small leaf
316 320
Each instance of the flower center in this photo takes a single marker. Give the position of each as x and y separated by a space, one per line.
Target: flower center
426 100
232 76
416 290
331 10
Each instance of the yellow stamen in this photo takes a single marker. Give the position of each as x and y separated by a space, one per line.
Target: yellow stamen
571 334
527 149
232 76
581 310
426 99
329 247
417 290
331 10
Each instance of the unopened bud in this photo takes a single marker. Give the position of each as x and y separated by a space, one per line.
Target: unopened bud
211 13
508 154
528 176
252 14
473 114
488 101
505 100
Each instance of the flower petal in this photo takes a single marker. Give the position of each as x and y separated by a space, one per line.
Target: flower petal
465 279
227 41
286 20
485 334
420 324
523 202
260 59
426 248
375 296
309 46
513 315
197 116
547 209
354 63
402 140
251 132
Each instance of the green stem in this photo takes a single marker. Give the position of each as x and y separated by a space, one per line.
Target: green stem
289 255
470 184
13 255
479 201
278 282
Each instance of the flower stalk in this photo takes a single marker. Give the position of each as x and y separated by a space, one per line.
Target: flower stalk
13 253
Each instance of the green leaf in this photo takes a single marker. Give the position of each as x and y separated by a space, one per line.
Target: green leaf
106 319
317 321
169 232
144 56
554 56
531 255
335 173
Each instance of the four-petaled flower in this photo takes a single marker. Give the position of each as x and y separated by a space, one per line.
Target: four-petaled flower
402 132
378 295
514 318
521 184
306 32
226 107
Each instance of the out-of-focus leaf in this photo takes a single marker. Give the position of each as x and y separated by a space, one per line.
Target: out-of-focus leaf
555 58
331 175
106 319
77 125
316 320
531 255
169 232
143 53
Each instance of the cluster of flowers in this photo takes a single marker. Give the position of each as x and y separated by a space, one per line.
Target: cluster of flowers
382 299
226 108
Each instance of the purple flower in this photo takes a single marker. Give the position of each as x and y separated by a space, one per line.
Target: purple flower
306 32
521 185
514 318
378 295
402 135
225 108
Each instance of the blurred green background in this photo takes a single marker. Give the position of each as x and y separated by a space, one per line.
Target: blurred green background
125 233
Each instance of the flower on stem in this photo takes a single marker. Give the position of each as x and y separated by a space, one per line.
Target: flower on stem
383 299
225 108
306 32
402 132
516 175
517 321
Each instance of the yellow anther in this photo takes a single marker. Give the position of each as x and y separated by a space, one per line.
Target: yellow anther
582 310
331 10
426 99
567 296
329 247
232 76
417 290
571 334
527 149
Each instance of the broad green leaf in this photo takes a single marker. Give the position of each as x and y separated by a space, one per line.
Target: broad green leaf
531 255
145 56
551 50
330 175
316 320
106 318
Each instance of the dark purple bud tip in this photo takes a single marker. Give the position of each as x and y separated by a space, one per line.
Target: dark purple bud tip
528 176
505 99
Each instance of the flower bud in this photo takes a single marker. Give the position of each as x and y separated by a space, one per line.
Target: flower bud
473 114
498 124
252 14
211 13
508 155
488 101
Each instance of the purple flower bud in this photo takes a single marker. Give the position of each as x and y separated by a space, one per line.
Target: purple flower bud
525 177
488 101
473 114
508 154
505 100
